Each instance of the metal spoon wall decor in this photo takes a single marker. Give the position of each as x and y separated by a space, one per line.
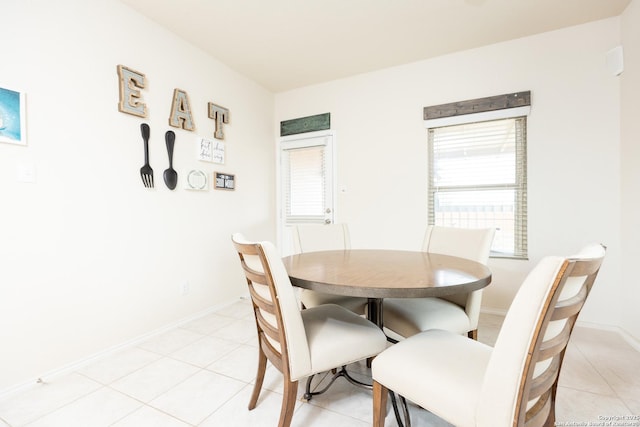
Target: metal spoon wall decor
170 175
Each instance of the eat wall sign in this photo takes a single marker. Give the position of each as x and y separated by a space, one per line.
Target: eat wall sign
131 82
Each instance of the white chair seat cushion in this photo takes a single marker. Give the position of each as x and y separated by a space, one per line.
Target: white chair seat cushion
441 371
312 299
409 316
337 336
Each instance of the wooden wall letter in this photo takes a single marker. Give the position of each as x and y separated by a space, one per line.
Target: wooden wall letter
181 111
220 115
130 83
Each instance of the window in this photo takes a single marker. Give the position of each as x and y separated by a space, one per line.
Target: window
477 178
306 180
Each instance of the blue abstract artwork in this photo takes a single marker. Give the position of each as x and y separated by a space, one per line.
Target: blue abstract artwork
11 117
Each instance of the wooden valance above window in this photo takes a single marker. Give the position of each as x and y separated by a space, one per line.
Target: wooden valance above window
480 105
305 124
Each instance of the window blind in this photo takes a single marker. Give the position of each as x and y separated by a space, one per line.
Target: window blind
304 184
477 178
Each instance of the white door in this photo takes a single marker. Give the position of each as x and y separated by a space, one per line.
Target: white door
306 183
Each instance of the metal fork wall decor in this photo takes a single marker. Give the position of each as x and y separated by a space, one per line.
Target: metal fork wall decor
145 171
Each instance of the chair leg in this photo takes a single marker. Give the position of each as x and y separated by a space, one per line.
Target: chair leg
262 367
380 395
288 402
551 418
473 334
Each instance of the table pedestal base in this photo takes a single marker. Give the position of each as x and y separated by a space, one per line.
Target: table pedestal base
341 373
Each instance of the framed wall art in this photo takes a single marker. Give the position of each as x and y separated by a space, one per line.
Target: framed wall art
13 127
224 181
210 150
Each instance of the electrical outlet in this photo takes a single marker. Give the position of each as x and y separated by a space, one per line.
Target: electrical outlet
184 288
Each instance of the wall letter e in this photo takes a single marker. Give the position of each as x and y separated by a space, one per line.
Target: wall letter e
130 83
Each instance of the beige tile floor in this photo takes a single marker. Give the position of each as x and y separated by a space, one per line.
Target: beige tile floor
200 374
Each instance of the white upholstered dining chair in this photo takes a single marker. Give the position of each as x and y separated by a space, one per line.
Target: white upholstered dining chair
325 237
459 313
298 343
513 384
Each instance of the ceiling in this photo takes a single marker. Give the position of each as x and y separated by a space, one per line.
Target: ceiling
285 44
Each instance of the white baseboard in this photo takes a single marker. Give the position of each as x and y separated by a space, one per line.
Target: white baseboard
74 366
633 342
496 311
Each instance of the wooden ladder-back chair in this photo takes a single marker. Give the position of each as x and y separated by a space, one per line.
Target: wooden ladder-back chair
298 343
470 384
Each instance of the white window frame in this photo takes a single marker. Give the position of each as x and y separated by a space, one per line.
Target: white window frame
508 113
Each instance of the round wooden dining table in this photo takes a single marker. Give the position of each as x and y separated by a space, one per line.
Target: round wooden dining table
377 274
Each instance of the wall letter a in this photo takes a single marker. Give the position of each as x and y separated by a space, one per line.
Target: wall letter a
181 111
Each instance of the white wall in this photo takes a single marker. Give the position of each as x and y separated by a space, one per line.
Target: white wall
573 147
631 169
89 257
92 259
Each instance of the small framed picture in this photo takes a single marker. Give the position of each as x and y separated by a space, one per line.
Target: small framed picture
210 150
224 181
13 125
